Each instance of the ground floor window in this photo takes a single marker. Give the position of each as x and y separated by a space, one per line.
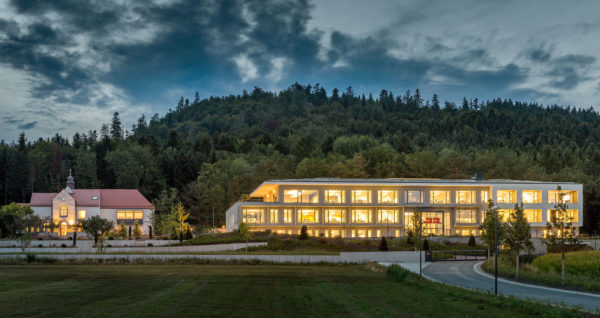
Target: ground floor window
361 216
387 216
287 215
433 223
466 216
274 216
253 216
129 215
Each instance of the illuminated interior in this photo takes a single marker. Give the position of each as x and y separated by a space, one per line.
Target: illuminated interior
335 215
466 216
361 196
63 211
504 214
253 216
335 196
130 215
274 216
82 214
414 197
567 196
439 197
387 196
409 221
532 196
361 216
532 215
466 197
308 216
301 196
506 196
571 216
485 197
387 216
287 215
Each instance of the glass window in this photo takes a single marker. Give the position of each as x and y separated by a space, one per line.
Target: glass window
532 196
506 196
308 216
567 196
138 215
571 216
63 211
465 197
253 216
387 196
504 214
120 214
439 197
485 197
301 196
361 196
130 215
82 214
335 196
387 216
335 215
274 216
533 216
361 216
287 215
466 216
414 197
290 196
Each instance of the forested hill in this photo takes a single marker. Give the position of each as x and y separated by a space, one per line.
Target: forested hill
214 150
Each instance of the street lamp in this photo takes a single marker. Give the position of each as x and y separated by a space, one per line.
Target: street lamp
496 254
420 249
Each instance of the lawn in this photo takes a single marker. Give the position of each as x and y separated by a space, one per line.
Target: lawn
243 290
582 270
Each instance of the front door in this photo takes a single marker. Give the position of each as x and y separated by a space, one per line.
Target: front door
63 229
433 223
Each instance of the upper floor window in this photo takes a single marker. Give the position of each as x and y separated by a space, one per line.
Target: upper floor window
82 214
506 196
361 196
439 197
301 196
485 197
273 216
335 196
504 214
361 216
308 216
130 215
63 211
466 216
533 216
570 216
567 196
253 216
532 196
387 216
413 197
287 215
335 215
465 197
387 196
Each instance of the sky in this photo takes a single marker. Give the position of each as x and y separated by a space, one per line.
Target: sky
68 65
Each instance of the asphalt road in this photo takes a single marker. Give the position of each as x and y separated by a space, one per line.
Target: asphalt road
464 274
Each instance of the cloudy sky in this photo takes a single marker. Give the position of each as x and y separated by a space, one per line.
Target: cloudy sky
66 66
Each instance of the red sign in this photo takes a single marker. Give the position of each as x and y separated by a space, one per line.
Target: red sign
434 220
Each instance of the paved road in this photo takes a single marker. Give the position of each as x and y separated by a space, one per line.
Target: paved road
464 274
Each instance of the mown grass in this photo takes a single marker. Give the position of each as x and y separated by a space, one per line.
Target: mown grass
581 270
245 291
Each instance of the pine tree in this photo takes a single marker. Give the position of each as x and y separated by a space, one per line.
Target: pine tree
116 130
303 233
383 246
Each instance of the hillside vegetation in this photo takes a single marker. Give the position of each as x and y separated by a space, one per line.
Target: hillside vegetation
208 153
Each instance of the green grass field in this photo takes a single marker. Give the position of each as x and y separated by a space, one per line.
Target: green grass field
243 290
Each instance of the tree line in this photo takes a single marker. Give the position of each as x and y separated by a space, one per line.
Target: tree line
207 153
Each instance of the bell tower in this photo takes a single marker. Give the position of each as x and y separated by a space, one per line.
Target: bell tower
70 181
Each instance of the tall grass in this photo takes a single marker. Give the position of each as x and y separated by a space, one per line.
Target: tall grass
576 263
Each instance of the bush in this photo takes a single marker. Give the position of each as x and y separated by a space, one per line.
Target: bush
150 245
397 272
40 238
110 238
472 241
304 233
30 257
63 245
409 237
188 233
383 246
425 245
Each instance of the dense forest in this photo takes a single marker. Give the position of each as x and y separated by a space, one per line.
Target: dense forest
208 153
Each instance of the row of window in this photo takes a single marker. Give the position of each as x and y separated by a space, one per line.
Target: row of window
416 196
130 215
64 212
384 216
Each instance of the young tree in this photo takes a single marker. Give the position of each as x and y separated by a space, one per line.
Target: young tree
245 232
560 231
122 232
137 232
383 246
181 216
472 241
303 233
518 234
489 225
417 228
96 227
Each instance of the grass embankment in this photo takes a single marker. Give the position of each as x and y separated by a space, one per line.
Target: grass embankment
245 290
582 270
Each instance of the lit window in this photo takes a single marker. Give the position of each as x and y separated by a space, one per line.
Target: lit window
532 196
361 216
361 196
485 197
290 196
570 216
63 211
567 196
466 216
253 216
274 216
465 197
387 196
308 216
503 215
82 214
409 220
414 197
533 216
335 196
387 216
335 215
506 196
287 215
439 197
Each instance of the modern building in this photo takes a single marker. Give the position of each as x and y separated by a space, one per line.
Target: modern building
72 205
334 207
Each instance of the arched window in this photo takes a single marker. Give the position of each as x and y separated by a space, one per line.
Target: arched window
63 211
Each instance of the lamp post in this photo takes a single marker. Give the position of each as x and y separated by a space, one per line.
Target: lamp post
420 249
496 254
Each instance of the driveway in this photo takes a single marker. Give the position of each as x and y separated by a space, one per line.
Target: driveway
467 274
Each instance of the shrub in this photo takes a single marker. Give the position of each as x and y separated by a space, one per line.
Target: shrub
150 244
304 233
383 246
397 272
30 257
188 233
409 237
137 232
425 245
63 245
472 241
40 245
40 238
110 238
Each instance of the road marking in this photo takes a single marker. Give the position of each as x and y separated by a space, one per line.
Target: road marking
478 270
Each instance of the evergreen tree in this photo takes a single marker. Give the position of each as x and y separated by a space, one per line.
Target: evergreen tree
518 234
383 246
116 130
303 233
491 222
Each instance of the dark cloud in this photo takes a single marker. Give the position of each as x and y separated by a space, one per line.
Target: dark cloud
570 70
28 125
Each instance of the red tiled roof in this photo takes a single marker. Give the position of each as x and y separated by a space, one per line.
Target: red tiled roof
107 198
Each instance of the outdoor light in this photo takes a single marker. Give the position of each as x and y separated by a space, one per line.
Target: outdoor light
71 222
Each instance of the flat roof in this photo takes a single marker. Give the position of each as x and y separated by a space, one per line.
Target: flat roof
412 181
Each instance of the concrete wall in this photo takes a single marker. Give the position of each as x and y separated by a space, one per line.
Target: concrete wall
595 244
185 249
